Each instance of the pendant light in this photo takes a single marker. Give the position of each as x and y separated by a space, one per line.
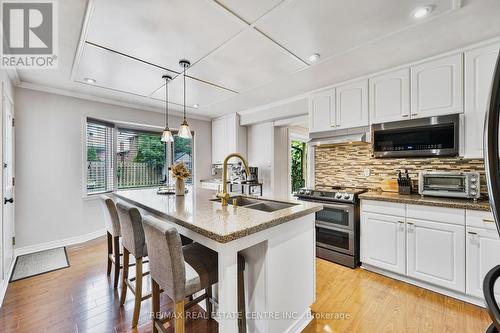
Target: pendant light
167 134
184 131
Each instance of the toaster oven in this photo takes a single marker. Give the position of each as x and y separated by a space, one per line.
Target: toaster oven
449 184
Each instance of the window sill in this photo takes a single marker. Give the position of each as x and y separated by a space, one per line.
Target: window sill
95 196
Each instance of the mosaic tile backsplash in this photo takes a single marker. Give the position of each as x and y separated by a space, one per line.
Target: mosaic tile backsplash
345 164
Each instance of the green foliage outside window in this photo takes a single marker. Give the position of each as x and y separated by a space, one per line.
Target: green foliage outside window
150 150
298 159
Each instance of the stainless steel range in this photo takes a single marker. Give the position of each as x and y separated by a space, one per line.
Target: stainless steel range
337 225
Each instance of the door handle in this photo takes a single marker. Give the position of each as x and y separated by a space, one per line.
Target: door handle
6 201
488 220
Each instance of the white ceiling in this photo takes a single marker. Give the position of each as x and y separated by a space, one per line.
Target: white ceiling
246 53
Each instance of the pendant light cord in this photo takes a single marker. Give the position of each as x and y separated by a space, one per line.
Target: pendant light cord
184 93
166 102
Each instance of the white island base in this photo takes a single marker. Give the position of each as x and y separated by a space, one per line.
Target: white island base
280 277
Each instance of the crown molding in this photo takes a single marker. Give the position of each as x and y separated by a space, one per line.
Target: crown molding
63 92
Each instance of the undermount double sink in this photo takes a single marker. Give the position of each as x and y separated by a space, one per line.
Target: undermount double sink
258 204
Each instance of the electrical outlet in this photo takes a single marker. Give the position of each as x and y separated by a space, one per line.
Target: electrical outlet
366 172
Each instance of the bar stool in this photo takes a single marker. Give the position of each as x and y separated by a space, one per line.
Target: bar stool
133 243
180 271
112 223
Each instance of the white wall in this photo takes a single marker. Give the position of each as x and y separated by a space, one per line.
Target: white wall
49 159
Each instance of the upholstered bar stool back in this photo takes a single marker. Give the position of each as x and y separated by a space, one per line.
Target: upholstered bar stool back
112 223
134 243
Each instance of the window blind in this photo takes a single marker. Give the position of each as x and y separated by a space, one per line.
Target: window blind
141 158
100 157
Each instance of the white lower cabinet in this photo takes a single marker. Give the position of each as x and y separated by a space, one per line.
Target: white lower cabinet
383 241
483 248
436 253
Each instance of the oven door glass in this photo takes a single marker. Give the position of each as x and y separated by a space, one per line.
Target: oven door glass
335 239
445 183
339 216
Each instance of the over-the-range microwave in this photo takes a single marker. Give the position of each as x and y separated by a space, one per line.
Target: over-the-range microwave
425 137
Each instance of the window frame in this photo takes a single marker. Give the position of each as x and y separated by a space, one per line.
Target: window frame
116 127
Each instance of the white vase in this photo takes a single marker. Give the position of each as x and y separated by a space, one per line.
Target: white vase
180 187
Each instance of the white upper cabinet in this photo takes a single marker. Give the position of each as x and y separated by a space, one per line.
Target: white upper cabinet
227 137
479 70
322 111
218 140
383 241
352 105
437 87
390 96
483 247
436 253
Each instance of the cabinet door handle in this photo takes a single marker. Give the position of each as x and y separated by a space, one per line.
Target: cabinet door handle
410 223
405 115
414 114
402 222
472 233
489 220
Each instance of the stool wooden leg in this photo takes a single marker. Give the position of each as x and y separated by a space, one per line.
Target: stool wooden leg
124 276
208 302
179 316
110 251
155 304
138 291
116 254
242 321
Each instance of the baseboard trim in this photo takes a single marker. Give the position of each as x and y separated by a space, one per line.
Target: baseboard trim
301 323
59 243
440 290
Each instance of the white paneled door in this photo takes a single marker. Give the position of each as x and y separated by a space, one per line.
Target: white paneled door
8 183
437 87
436 253
383 241
352 105
483 247
390 96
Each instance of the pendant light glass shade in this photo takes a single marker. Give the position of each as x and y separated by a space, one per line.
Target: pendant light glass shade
184 131
167 134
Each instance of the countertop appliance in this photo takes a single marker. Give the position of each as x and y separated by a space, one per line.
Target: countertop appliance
337 225
492 168
449 184
433 136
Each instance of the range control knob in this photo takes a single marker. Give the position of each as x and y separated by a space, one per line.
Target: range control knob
347 196
473 179
473 186
338 195
301 191
473 193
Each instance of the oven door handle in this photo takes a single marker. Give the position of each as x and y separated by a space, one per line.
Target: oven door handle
345 207
329 227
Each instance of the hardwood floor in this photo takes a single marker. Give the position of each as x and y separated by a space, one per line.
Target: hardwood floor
81 299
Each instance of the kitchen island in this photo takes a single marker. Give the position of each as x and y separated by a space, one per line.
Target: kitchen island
276 238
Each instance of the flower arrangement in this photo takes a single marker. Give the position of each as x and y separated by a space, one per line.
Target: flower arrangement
180 171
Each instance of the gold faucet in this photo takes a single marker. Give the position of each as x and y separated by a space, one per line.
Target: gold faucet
224 196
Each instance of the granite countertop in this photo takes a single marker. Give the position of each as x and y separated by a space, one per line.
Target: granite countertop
416 199
196 212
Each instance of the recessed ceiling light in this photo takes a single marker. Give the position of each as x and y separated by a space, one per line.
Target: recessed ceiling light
314 57
422 12
89 80
196 106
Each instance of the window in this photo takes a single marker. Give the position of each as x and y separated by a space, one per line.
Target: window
137 159
100 164
183 152
140 159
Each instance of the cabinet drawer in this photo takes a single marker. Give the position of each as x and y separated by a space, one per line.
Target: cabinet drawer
480 219
438 214
383 207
